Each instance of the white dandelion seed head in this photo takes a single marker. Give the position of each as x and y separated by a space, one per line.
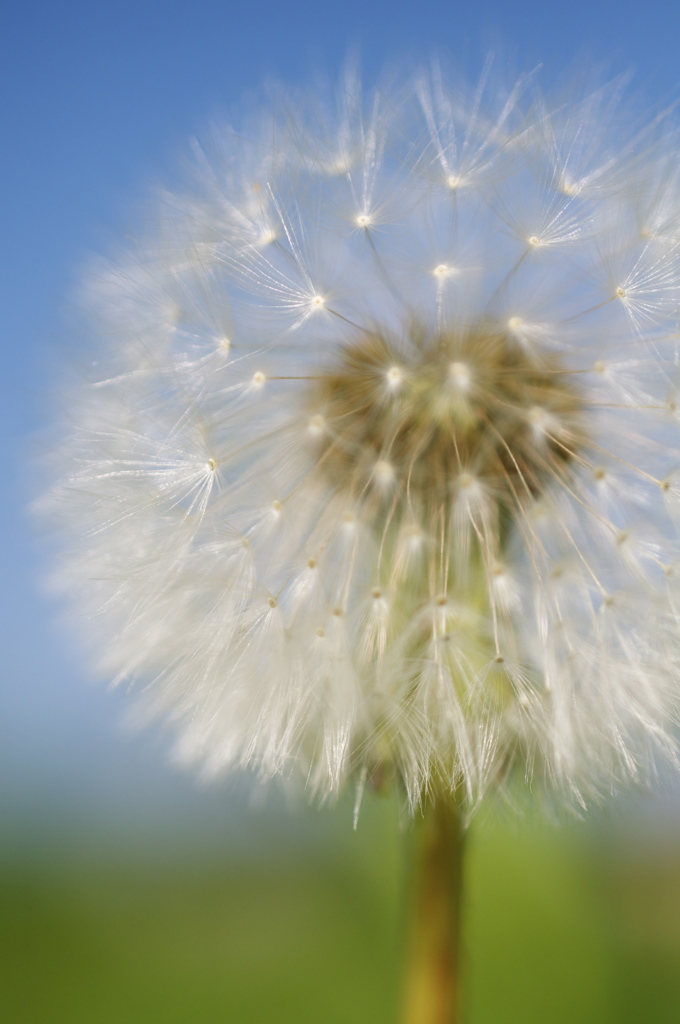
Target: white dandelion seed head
378 471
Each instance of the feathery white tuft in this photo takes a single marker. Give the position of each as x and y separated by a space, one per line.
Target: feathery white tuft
378 470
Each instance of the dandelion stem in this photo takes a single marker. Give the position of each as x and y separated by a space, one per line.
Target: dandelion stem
432 973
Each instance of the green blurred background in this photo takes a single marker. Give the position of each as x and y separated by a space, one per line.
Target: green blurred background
288 914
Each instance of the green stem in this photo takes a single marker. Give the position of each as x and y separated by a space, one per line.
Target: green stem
432 975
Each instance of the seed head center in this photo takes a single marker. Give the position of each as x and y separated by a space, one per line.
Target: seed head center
443 413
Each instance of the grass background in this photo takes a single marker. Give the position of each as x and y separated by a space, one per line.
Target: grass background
303 923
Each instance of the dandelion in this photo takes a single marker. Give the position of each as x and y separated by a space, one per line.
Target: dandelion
376 477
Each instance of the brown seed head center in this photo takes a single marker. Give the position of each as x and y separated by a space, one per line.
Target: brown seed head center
422 423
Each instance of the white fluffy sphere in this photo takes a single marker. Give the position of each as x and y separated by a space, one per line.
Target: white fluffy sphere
376 472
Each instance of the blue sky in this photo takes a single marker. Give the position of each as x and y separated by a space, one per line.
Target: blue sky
98 99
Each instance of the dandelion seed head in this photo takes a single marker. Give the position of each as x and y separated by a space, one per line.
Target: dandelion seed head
443 270
569 188
398 503
460 376
316 425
